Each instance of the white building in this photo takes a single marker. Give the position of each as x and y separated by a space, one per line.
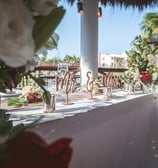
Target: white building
112 60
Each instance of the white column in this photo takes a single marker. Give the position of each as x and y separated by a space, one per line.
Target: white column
89 39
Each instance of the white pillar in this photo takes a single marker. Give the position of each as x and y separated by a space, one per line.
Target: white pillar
89 39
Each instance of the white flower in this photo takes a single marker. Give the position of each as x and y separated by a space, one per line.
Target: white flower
154 76
26 90
43 7
136 74
16 23
153 60
156 63
30 66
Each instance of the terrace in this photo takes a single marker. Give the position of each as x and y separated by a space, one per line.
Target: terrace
115 128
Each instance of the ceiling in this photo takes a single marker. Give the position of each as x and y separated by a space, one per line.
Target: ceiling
140 4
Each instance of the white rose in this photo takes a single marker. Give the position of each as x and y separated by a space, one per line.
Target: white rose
156 62
16 23
152 59
154 76
26 90
43 7
137 74
30 66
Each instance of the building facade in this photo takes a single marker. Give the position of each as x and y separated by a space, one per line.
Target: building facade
112 60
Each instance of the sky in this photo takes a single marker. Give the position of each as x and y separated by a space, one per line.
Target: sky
117 28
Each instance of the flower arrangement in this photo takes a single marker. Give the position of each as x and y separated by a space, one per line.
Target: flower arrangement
143 58
32 95
128 77
145 77
26 90
29 95
26 26
96 86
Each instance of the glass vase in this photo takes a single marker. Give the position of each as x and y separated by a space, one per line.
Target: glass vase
51 106
131 89
126 87
107 93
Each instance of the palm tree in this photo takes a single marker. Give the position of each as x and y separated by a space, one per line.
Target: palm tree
150 27
137 56
67 59
150 24
76 60
43 59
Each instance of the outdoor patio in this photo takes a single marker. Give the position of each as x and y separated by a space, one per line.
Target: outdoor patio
86 115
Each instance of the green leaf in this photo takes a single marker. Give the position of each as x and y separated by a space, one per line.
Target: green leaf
5 76
17 102
45 26
40 81
2 87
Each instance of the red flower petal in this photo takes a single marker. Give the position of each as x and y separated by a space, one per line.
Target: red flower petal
29 150
25 147
25 74
57 155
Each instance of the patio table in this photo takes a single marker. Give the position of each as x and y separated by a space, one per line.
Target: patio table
80 104
117 135
121 132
